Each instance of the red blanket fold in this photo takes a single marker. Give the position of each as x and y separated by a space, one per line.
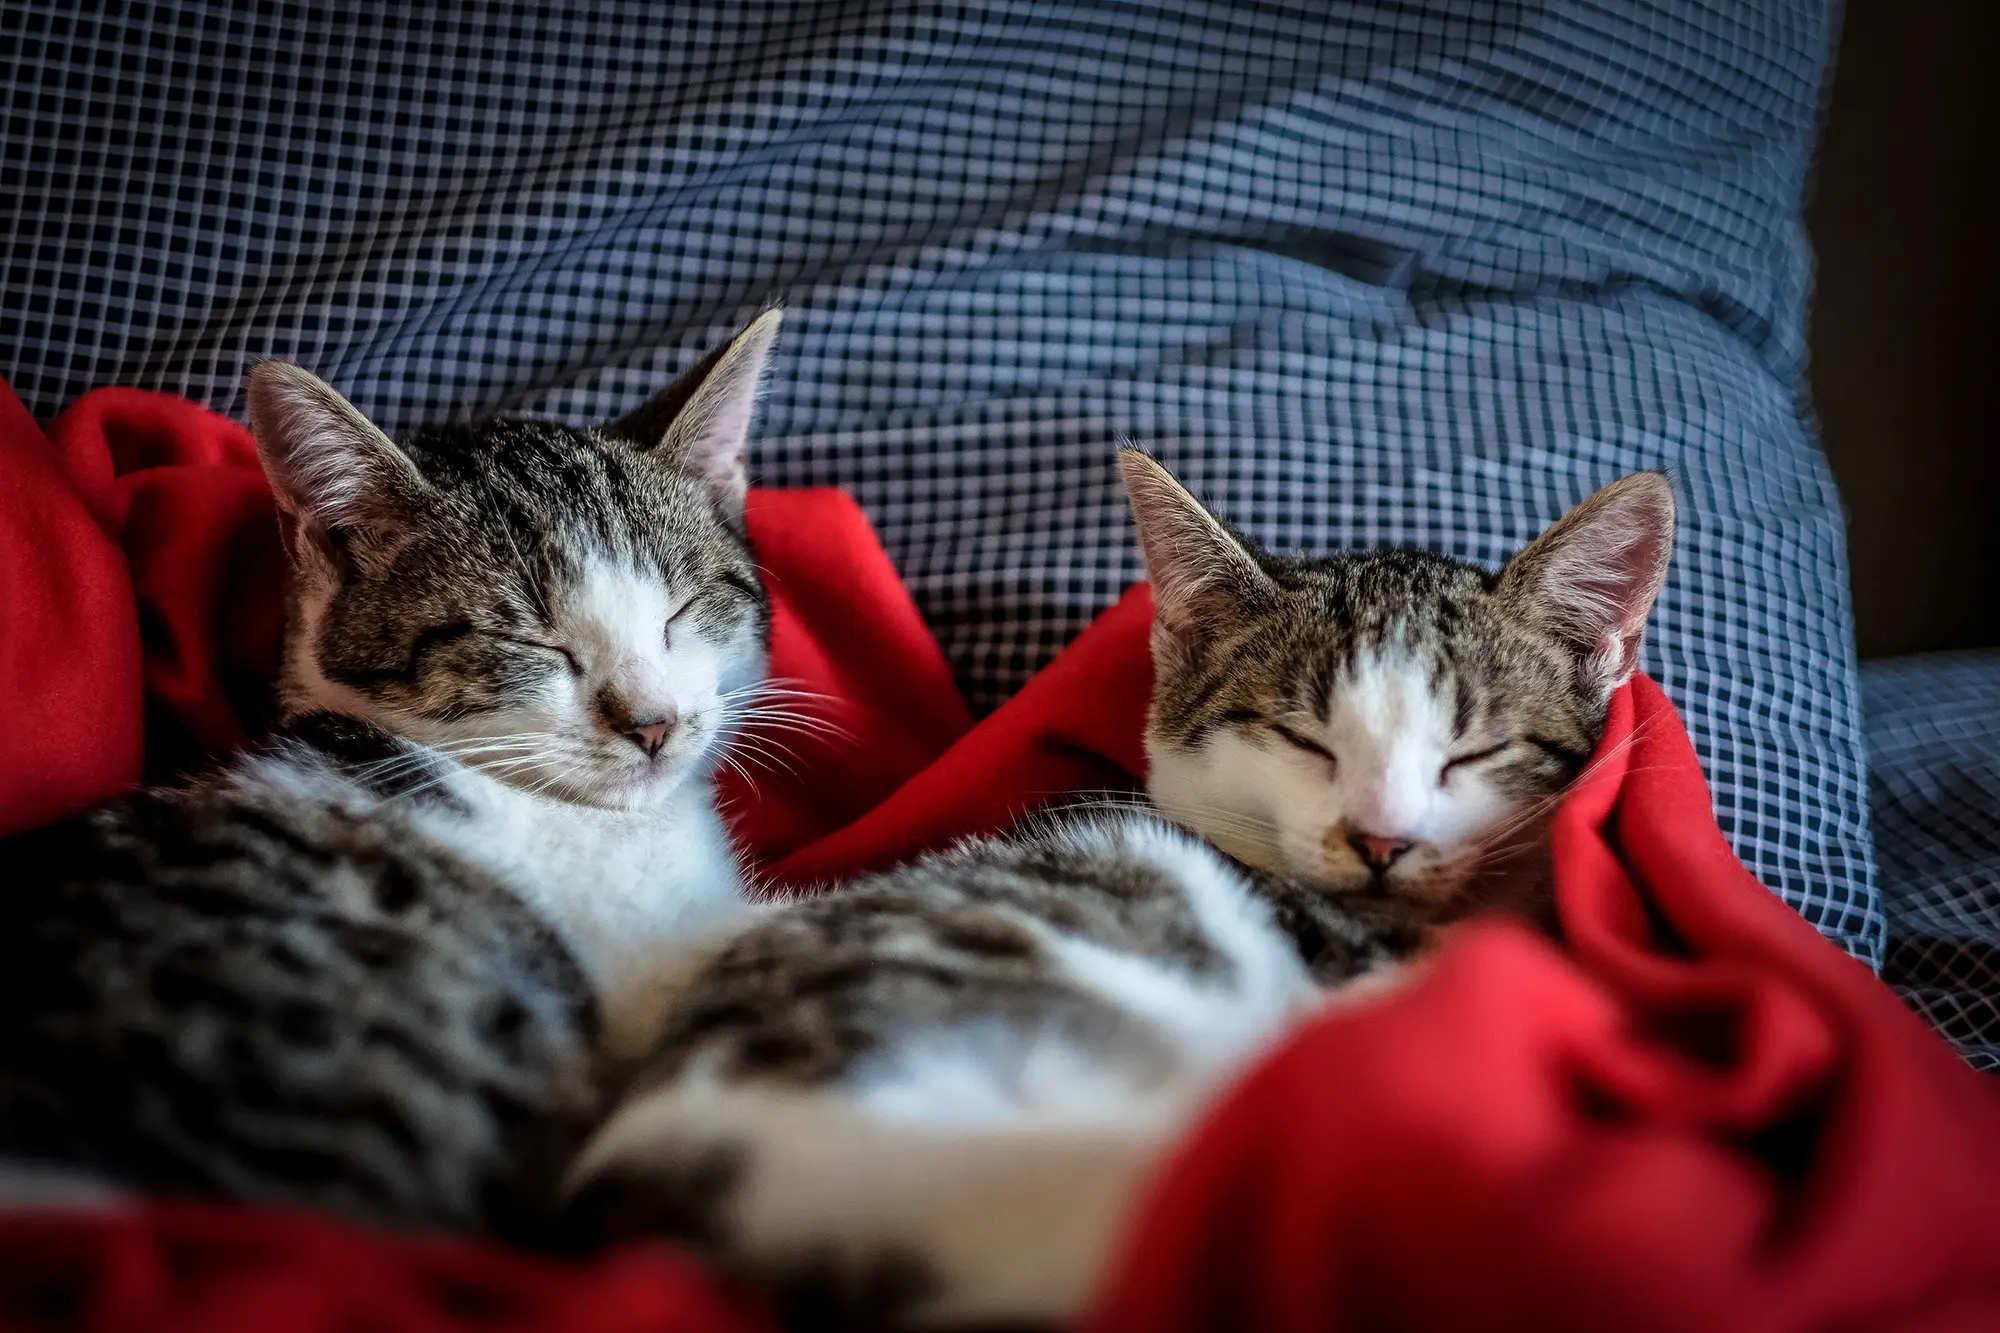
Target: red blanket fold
1699 1115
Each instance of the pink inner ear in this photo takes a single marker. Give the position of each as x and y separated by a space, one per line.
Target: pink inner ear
726 470
1613 578
1189 559
1642 557
1613 659
288 533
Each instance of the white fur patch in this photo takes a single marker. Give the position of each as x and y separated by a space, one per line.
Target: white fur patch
1216 1024
1015 1220
615 844
617 623
1272 805
638 895
635 880
1005 1158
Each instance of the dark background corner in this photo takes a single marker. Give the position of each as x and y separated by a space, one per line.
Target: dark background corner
1903 324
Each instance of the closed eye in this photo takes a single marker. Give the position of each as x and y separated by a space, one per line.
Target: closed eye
679 613
748 590
1309 746
568 657
1476 756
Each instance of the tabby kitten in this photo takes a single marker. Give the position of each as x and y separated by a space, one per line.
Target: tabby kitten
930 1097
377 965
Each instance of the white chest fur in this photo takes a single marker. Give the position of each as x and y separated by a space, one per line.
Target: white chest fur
634 893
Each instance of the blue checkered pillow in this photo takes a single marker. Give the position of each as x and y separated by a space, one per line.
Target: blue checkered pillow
1934 745
1415 273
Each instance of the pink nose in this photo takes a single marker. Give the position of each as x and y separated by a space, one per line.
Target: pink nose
1378 853
650 736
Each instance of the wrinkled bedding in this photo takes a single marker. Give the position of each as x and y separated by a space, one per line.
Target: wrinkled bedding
1697 1113
1934 770
1387 272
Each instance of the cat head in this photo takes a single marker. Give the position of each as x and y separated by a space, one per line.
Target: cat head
573 611
1393 724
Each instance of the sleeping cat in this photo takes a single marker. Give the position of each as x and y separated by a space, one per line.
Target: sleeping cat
930 1096
378 965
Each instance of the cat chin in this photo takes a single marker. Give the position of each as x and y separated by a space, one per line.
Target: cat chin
632 791
635 789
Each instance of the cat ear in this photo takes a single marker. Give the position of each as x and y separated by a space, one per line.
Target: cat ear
1592 577
335 476
1200 571
702 420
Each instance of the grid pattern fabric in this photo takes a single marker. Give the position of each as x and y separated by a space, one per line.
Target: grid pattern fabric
1934 756
1419 273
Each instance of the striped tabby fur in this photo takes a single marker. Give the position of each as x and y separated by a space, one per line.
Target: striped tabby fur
381 964
930 1096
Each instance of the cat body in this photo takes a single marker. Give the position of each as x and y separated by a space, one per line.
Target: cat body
937 1089
385 963
281 985
931 1097
620 885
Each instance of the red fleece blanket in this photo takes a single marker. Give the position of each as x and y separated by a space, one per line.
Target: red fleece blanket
1696 1115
